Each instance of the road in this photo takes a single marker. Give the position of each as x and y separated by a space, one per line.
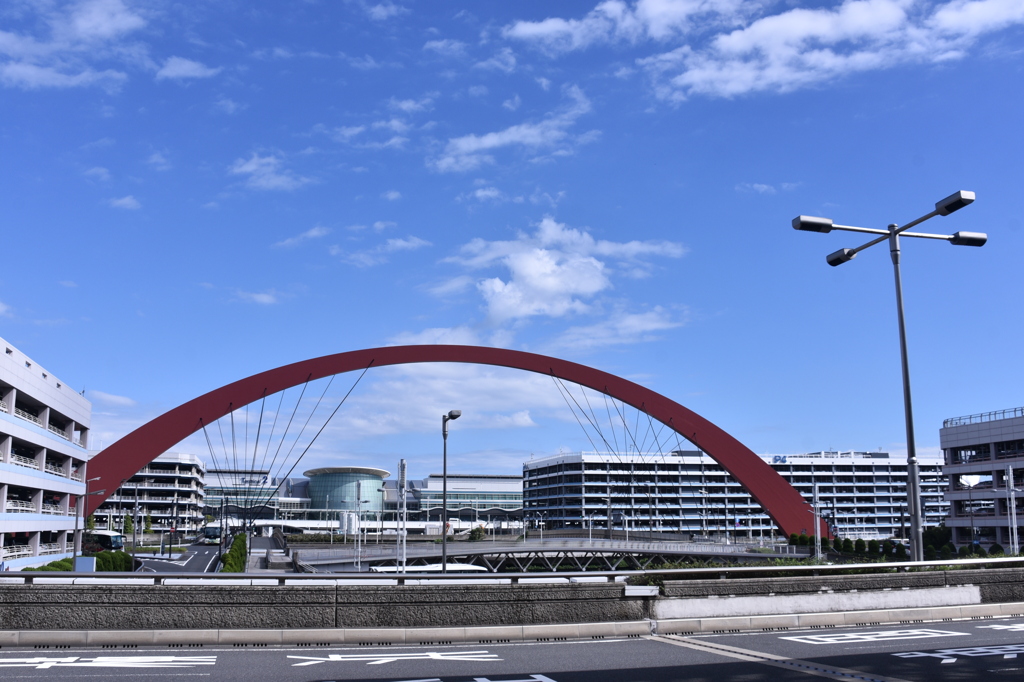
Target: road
926 652
197 559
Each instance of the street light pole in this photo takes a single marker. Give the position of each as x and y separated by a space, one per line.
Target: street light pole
950 204
76 541
445 418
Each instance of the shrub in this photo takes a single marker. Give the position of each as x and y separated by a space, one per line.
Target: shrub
945 553
477 534
848 545
234 559
837 544
900 553
873 547
793 538
104 561
802 540
860 546
996 549
929 553
979 550
964 551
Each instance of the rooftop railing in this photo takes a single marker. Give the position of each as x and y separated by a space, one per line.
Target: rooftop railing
984 417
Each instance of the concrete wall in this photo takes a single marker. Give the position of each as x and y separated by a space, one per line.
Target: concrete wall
245 606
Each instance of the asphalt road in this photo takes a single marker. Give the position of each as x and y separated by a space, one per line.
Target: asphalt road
929 652
198 559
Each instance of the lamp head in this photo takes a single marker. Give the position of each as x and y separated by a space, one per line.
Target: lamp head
954 202
811 224
455 414
969 239
839 257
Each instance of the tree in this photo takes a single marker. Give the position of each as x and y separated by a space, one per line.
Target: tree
860 547
848 545
149 525
477 534
937 535
128 526
90 523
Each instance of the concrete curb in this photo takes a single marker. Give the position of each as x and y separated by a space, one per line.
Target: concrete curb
45 639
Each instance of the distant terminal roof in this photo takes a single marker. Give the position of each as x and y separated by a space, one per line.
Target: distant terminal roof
368 471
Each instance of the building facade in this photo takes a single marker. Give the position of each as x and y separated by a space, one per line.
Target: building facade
862 494
984 460
168 492
44 435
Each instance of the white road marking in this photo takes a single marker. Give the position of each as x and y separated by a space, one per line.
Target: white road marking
1015 627
378 659
43 662
880 636
998 649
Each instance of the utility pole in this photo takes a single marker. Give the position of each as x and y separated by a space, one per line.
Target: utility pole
403 518
1011 490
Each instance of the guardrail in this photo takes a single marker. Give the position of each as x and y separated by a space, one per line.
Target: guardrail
984 417
379 579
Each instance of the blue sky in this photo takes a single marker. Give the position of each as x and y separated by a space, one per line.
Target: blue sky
195 192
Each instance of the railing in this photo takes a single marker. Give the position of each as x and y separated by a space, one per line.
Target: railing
21 507
52 509
54 469
76 476
18 412
984 417
15 551
60 432
50 548
24 461
3 407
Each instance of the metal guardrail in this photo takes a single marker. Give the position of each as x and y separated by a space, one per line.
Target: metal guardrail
377 579
984 417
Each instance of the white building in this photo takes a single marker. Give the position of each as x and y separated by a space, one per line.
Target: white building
169 491
44 429
983 452
863 494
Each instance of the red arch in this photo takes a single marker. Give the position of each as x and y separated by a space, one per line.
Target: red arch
127 456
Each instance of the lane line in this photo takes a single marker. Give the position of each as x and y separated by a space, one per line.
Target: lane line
808 667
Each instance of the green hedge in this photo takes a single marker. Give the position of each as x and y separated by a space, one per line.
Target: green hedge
234 559
105 561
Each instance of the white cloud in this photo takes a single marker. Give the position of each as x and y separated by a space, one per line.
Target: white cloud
733 47
477 90
266 172
413 105
393 124
129 202
512 104
179 68
458 336
158 161
98 173
757 187
384 11
446 47
346 133
489 194
312 233
472 151
619 328
229 106
544 83
391 195
381 225
262 298
77 34
455 285
5 310
111 399
380 254
555 271
504 60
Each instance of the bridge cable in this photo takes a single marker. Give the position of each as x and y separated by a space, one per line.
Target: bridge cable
328 421
256 443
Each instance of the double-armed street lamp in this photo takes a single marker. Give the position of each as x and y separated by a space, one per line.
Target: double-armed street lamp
950 204
445 418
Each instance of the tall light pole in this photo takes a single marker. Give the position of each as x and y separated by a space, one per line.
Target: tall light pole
950 204
445 418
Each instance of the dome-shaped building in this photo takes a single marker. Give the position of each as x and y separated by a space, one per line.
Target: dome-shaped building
335 488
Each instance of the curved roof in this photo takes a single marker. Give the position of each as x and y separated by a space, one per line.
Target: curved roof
368 471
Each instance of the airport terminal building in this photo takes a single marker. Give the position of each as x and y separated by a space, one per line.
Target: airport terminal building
863 494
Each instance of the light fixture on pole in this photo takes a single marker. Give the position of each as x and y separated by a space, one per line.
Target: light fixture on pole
950 204
445 418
